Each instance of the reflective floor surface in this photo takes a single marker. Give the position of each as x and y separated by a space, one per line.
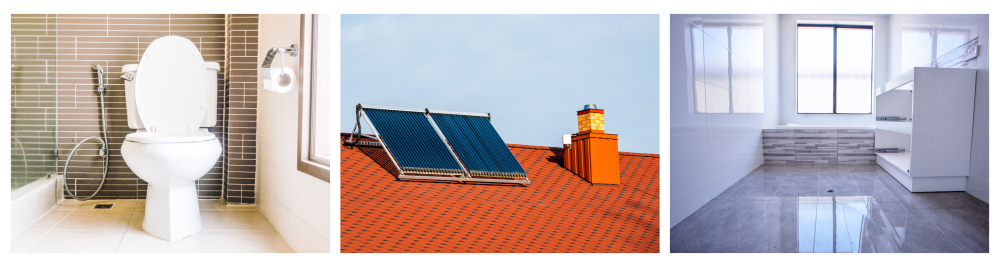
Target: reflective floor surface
789 208
76 227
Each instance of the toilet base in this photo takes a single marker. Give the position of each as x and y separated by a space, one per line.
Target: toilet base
172 211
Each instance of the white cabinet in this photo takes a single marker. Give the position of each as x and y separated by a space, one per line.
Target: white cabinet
936 106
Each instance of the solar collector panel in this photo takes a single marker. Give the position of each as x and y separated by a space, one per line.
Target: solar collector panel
479 146
412 140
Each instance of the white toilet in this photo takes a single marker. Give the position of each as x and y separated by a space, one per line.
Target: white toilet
170 95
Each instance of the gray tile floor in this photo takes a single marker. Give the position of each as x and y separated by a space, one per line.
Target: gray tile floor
786 208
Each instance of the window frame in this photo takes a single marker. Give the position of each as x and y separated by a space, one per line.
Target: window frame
306 161
871 86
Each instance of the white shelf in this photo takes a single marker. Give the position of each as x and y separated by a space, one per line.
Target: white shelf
938 104
899 160
895 103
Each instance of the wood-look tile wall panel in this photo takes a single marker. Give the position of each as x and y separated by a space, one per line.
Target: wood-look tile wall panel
825 146
113 41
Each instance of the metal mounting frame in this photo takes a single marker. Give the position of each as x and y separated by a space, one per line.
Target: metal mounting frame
379 138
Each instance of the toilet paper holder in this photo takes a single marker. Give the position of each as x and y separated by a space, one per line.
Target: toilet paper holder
293 51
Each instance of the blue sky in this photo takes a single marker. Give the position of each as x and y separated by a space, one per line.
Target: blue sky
530 72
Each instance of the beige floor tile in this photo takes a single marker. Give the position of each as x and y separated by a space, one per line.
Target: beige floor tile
217 204
67 204
74 226
118 204
225 220
244 242
142 242
51 219
220 205
23 241
135 223
82 219
74 241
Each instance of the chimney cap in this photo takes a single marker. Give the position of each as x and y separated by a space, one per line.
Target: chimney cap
589 106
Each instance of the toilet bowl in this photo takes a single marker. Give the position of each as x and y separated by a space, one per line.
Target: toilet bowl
169 98
171 164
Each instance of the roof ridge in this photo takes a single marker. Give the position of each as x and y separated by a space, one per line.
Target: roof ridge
524 146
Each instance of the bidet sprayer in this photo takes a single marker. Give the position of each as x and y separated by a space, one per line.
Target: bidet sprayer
100 79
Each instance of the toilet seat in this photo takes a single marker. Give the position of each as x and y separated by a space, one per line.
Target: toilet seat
169 137
170 77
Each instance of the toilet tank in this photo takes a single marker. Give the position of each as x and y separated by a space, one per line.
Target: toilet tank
210 96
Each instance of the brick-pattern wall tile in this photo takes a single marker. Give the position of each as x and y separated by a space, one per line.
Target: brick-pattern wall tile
779 146
855 146
241 109
818 146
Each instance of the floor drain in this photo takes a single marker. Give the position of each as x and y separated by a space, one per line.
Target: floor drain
829 190
103 206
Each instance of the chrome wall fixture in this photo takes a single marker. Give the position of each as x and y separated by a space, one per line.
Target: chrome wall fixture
293 51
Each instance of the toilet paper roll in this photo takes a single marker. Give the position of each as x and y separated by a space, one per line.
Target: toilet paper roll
280 80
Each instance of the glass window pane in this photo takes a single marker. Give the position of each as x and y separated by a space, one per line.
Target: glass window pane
916 48
718 99
949 40
321 91
756 67
815 70
717 56
717 69
854 70
698 56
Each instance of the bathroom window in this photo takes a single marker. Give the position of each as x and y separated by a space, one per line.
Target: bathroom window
314 97
727 66
925 46
834 69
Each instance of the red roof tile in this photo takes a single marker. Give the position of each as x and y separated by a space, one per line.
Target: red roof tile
557 212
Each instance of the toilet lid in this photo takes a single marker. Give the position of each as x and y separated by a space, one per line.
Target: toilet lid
169 137
170 75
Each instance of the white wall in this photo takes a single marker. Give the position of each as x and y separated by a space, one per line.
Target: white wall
978 25
297 204
788 68
710 151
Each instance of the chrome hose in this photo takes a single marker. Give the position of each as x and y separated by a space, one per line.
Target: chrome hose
104 142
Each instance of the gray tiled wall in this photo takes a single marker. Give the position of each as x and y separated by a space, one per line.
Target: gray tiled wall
819 146
114 40
240 129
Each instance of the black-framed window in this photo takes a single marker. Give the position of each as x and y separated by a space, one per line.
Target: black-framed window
834 69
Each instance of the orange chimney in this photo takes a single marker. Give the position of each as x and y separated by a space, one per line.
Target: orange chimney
591 153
